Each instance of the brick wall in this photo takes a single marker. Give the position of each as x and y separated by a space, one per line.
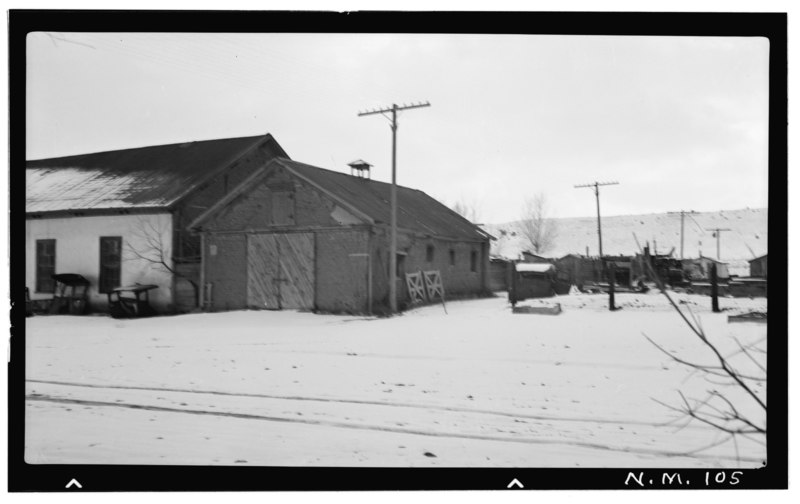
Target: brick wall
341 278
226 269
254 209
215 189
458 278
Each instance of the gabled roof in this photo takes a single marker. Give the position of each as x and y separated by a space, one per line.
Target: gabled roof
370 200
145 177
758 258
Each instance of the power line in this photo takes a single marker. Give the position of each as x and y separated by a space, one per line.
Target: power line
394 109
596 186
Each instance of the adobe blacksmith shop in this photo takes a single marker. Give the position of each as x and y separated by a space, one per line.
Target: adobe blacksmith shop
294 236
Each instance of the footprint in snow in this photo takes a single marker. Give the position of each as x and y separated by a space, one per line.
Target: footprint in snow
429 454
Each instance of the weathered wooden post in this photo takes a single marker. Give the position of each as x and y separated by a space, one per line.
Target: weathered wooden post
714 290
611 276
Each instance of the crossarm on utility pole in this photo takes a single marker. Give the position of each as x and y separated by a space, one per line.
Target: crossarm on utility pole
394 109
596 185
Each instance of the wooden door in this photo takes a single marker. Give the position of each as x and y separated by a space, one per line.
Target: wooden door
263 287
296 258
280 271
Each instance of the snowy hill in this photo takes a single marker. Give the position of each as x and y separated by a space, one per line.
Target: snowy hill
747 236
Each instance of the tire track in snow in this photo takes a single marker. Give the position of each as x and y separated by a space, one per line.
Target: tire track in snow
395 430
455 409
612 365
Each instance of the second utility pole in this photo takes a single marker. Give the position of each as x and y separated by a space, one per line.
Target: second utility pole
596 186
393 197
717 232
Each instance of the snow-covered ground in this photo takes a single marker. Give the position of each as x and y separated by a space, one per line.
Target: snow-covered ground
476 386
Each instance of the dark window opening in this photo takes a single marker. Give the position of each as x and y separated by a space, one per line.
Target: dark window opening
429 253
401 265
188 247
473 261
110 263
452 257
45 265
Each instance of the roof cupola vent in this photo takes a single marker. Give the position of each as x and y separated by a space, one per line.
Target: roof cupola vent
360 168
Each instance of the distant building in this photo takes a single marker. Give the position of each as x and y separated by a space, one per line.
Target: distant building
113 216
700 268
758 267
499 271
301 237
530 257
574 269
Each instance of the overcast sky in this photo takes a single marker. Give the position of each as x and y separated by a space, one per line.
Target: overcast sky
679 122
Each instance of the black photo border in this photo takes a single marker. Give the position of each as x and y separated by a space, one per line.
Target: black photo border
24 477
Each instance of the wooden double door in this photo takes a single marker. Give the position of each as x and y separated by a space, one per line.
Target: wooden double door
280 271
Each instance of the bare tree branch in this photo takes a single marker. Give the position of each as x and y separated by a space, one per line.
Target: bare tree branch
538 231
155 250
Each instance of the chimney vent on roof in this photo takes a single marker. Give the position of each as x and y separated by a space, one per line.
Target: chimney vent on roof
360 168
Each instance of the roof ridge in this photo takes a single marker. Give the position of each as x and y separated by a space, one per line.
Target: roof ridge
173 144
399 186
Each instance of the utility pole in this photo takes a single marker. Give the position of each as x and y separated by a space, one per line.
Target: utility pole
596 186
717 231
683 214
394 109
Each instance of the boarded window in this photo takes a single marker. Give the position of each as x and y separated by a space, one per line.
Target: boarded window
110 263
429 253
452 257
45 265
282 208
473 261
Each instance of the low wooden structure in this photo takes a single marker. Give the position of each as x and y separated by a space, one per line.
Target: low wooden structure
71 294
532 280
131 301
747 287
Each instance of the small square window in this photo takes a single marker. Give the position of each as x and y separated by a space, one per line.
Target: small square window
452 257
473 261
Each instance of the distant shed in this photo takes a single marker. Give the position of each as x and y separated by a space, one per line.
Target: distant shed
700 268
758 267
530 257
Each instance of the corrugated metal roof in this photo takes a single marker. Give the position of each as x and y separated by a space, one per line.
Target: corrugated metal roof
144 177
415 210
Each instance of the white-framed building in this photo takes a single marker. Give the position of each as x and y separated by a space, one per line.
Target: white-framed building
119 217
